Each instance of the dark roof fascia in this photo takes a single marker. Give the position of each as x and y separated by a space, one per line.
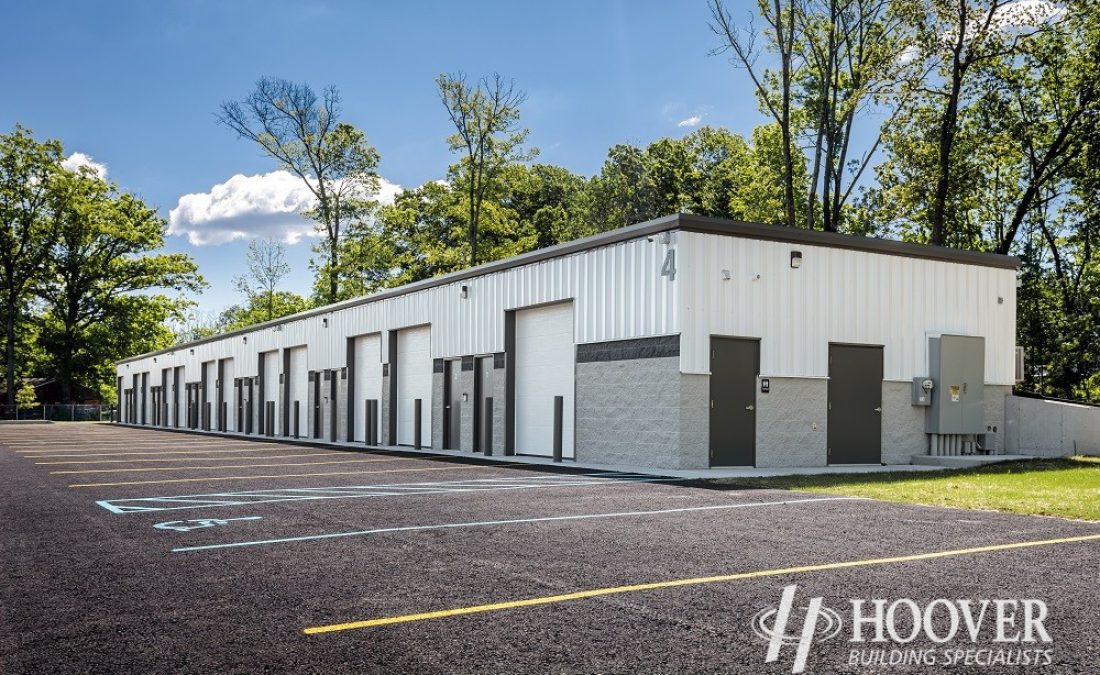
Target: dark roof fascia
686 222
690 223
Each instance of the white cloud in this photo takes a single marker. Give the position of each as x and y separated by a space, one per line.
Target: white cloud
266 205
692 121
78 159
1027 14
908 55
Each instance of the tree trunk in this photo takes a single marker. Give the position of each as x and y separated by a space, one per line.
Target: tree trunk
785 117
9 350
473 222
333 273
948 129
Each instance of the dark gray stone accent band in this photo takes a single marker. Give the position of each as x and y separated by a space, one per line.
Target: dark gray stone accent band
467 363
437 365
626 350
498 360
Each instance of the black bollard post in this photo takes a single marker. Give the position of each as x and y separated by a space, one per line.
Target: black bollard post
559 407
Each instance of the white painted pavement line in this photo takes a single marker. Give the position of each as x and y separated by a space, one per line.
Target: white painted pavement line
173 452
190 459
514 521
383 490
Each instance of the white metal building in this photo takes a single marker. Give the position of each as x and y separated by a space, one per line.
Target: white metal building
684 342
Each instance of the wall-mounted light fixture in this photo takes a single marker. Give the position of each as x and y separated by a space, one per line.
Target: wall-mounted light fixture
324 322
465 292
726 275
192 351
796 259
245 339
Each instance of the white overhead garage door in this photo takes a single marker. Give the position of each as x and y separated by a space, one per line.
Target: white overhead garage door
368 379
299 389
414 381
545 361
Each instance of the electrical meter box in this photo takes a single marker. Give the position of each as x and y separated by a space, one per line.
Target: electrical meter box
956 365
922 391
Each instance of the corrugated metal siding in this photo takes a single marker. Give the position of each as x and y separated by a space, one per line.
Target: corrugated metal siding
618 293
838 296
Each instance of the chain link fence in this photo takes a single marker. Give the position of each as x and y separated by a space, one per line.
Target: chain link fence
59 412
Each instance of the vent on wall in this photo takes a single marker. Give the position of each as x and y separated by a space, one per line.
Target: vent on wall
1019 365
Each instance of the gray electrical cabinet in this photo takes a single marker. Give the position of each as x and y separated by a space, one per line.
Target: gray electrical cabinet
956 366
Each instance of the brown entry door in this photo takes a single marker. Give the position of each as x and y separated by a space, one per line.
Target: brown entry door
734 364
855 404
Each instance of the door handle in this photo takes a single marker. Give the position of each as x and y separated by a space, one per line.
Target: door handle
750 407
878 409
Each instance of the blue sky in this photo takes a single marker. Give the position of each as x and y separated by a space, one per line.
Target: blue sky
134 85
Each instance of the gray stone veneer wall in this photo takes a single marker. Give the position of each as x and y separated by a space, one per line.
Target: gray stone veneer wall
384 408
437 404
498 388
495 387
633 406
466 409
996 401
902 424
785 419
341 404
326 395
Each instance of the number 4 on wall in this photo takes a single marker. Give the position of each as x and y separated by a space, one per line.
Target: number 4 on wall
668 269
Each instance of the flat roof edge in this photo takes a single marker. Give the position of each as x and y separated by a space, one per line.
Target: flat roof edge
686 222
721 226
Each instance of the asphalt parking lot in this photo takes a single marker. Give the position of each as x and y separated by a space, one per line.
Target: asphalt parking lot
129 550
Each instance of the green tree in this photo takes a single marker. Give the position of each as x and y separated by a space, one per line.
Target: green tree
261 308
267 266
333 159
25 398
487 134
957 42
103 261
27 230
774 87
708 172
548 204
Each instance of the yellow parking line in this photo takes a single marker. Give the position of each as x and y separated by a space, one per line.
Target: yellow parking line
188 459
230 466
291 475
613 590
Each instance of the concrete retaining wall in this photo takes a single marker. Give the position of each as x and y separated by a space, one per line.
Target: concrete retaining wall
1051 428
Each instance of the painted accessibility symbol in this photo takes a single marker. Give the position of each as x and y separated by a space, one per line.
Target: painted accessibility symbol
198 523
